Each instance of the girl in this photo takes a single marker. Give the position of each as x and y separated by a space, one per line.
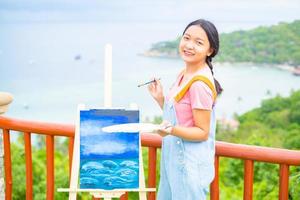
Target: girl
188 146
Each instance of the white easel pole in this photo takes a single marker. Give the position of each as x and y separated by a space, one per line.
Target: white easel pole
108 76
108 90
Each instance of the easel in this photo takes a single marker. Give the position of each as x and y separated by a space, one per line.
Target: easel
99 193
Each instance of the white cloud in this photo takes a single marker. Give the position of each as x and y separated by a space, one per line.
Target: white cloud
90 127
109 148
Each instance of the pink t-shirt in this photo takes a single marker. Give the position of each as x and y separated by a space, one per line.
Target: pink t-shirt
199 96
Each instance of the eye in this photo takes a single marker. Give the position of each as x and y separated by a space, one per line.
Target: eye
199 43
185 37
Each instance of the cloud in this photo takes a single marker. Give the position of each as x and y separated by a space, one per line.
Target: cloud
109 148
90 127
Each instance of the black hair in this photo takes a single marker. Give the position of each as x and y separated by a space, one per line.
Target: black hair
213 38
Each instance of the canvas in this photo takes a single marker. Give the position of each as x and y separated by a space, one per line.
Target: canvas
108 160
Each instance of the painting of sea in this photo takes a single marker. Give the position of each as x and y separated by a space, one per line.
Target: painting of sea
108 160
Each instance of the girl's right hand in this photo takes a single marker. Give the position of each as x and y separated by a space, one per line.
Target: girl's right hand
156 91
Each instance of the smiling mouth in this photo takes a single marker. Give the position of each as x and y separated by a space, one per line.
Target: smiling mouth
188 53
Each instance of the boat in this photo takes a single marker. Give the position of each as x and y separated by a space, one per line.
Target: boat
77 57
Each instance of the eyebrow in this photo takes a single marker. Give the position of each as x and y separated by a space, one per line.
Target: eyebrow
196 38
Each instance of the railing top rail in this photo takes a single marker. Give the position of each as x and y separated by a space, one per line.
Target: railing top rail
241 151
44 128
258 153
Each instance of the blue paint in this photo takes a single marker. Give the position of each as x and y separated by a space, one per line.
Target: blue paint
108 160
94 174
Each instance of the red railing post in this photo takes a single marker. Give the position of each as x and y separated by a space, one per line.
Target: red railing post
7 165
50 166
152 158
248 179
124 196
214 186
284 182
28 157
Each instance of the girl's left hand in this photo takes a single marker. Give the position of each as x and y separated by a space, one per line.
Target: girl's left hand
166 129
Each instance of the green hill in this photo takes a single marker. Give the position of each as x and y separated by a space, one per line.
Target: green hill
277 44
276 123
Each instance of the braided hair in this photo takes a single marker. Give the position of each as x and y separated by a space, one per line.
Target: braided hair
213 38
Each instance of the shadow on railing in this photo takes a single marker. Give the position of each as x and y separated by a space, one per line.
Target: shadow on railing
249 154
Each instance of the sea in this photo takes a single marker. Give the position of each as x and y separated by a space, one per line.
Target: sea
109 174
51 68
52 55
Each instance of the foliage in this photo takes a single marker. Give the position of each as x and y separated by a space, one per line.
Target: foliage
277 44
275 123
61 169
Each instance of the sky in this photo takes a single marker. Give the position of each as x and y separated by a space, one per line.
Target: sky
266 12
94 142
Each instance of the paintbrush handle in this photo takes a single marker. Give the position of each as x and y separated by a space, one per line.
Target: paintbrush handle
148 82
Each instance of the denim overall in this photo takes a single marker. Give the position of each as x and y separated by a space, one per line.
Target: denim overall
186 168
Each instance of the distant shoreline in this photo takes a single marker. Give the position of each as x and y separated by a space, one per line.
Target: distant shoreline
258 46
156 54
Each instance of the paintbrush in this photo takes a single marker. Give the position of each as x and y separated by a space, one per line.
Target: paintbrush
148 82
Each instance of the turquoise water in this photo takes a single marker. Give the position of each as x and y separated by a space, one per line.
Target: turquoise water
109 174
38 66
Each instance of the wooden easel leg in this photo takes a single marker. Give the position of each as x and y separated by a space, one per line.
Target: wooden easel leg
76 158
142 195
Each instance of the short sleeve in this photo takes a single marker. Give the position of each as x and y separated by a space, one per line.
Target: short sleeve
201 96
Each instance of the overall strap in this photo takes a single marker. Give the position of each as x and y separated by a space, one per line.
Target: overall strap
205 80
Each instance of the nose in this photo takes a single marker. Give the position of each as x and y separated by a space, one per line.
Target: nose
189 45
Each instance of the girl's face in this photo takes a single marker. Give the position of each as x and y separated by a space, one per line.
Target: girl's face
194 46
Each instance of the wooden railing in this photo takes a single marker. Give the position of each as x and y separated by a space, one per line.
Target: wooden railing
249 154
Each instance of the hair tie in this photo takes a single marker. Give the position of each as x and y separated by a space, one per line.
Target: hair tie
208 58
